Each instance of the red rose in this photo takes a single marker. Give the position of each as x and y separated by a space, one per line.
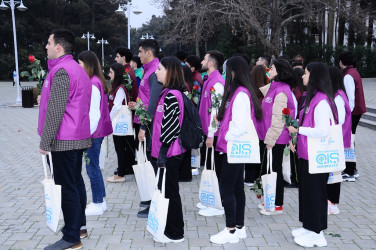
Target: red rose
212 90
127 70
267 69
31 59
258 196
286 111
195 87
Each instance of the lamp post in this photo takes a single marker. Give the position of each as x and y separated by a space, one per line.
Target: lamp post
88 36
127 8
147 36
103 42
21 7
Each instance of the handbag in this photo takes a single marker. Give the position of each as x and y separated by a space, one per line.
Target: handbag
246 148
350 155
52 196
157 217
195 158
286 167
122 124
326 154
209 189
335 177
144 174
269 183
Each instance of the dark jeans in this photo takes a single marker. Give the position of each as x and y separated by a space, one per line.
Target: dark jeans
67 173
231 186
94 172
351 166
277 154
253 170
175 224
313 203
124 147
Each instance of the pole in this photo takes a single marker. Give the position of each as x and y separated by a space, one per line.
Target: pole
129 24
102 53
18 100
88 40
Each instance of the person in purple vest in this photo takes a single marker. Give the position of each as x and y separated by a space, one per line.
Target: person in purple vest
212 63
272 129
64 128
166 147
100 127
344 118
354 91
315 115
239 103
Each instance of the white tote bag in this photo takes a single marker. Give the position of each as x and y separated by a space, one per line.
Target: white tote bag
326 154
286 167
195 158
52 196
122 123
335 177
103 153
144 174
350 154
246 148
157 217
269 183
209 189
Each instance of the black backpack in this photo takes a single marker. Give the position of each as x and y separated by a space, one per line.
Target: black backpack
191 134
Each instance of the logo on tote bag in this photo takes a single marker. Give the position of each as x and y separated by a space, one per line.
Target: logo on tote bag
121 127
241 150
207 198
327 159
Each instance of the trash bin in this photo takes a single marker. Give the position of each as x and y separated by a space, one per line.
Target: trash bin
27 97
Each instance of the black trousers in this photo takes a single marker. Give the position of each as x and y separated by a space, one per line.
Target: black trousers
277 153
67 173
231 187
217 158
334 192
124 147
253 170
185 173
351 166
175 224
313 202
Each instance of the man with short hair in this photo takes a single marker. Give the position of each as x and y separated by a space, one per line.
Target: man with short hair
264 61
194 63
212 63
124 57
149 92
137 68
64 127
354 91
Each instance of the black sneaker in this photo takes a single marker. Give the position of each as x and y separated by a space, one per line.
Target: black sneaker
116 172
143 213
348 178
62 244
292 185
83 233
145 203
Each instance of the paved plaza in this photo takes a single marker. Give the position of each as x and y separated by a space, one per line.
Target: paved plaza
22 216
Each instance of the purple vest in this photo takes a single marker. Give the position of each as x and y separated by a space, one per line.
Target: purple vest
104 125
75 124
227 118
175 147
144 88
360 102
267 109
346 126
205 102
309 121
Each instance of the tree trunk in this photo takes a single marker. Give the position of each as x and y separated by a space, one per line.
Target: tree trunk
330 31
341 30
351 31
370 31
197 47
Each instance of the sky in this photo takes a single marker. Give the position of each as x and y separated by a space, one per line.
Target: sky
148 8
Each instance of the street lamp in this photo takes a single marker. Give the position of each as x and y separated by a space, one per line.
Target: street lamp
102 41
88 36
147 36
127 8
21 7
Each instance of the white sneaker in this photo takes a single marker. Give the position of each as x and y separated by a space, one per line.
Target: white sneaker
94 209
104 206
195 171
165 239
261 206
299 232
242 233
210 211
278 210
332 209
311 239
224 237
200 206
249 184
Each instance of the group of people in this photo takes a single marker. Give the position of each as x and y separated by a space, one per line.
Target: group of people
77 111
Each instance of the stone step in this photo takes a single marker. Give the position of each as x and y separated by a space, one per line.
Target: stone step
369 116
364 122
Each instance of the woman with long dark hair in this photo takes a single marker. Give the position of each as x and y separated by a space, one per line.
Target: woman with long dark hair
239 104
167 122
100 126
124 145
344 119
272 129
315 116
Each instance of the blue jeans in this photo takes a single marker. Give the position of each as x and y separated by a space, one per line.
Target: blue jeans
94 172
